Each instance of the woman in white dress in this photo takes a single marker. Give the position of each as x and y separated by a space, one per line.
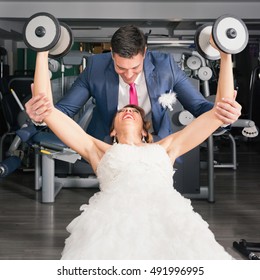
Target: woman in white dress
137 214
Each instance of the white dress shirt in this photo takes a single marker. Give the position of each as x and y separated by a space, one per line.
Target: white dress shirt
142 94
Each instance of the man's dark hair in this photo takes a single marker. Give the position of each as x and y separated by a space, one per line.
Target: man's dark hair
128 41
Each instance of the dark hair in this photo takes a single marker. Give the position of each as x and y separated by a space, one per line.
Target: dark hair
146 124
128 41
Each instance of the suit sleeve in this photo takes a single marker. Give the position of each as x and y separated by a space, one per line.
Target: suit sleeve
77 95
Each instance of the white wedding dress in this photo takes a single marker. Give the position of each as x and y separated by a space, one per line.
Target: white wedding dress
138 214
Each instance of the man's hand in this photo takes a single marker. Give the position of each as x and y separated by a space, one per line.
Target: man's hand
38 107
229 110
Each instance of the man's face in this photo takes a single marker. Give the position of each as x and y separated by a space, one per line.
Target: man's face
128 68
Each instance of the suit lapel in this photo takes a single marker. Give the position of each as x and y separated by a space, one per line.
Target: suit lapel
111 91
153 91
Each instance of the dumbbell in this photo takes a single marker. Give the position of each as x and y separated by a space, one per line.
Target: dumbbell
229 33
43 32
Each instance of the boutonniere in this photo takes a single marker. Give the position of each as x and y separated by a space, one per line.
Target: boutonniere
167 100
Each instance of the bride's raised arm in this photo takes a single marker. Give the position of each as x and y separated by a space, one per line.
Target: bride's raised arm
202 127
63 126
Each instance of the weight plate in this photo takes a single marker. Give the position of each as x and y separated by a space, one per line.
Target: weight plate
54 65
41 32
202 37
230 34
185 117
205 73
64 44
193 62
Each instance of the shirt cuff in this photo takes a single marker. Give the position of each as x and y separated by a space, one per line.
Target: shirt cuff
39 123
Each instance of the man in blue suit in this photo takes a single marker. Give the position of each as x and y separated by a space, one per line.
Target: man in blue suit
107 78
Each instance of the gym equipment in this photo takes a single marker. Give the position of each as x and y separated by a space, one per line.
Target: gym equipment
73 58
57 166
54 65
9 165
254 96
49 149
187 180
205 73
14 88
229 33
187 175
3 53
181 117
249 130
193 62
44 32
247 249
185 117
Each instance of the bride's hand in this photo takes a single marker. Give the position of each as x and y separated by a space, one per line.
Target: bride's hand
212 43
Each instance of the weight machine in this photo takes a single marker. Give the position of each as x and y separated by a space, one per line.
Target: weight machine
58 47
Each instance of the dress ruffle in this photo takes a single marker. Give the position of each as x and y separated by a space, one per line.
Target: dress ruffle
138 214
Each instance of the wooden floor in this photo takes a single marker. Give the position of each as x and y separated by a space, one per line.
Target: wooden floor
32 230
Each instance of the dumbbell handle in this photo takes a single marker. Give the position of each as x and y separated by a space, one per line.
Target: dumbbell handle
231 33
40 31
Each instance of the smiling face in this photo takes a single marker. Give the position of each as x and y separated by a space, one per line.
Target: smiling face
126 116
128 68
129 113
128 48
131 119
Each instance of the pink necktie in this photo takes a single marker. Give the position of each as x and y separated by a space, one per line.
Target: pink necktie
133 95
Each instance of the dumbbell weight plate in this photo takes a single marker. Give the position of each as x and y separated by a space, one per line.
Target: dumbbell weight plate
64 43
230 34
203 46
41 32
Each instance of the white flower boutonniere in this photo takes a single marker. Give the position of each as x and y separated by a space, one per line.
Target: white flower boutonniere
167 100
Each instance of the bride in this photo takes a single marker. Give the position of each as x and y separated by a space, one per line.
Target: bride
137 214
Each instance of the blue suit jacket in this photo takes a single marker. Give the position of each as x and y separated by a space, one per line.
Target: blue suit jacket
100 81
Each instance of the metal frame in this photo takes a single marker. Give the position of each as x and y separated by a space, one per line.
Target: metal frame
45 178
